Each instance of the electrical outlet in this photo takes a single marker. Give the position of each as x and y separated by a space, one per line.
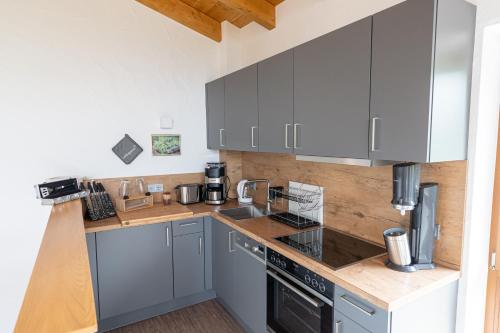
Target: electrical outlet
155 188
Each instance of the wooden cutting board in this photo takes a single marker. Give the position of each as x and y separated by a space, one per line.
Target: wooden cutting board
157 213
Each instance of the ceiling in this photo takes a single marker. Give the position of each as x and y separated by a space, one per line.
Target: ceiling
206 16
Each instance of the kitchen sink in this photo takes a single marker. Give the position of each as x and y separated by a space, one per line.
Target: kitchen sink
242 213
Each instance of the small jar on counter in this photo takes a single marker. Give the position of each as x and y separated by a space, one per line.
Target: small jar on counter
166 198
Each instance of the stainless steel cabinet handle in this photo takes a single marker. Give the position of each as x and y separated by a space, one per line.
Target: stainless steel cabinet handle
374 125
188 224
230 247
168 236
287 146
349 300
295 136
253 137
221 142
313 302
199 248
338 326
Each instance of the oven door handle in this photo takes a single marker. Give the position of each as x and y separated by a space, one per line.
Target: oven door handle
312 301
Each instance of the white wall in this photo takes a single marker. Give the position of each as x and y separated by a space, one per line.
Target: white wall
74 77
485 104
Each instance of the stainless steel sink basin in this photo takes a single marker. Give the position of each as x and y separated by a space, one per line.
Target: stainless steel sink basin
242 213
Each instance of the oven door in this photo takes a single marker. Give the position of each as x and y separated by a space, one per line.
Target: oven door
293 309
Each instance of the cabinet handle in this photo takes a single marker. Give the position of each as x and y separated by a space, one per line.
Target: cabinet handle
350 301
253 137
221 142
199 248
188 224
374 125
168 236
230 247
295 136
338 326
287 146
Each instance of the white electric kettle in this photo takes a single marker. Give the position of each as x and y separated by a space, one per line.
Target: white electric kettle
242 193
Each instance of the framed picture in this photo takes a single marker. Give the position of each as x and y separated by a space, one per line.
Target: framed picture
166 144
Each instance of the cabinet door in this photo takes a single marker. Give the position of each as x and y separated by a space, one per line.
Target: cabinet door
403 39
241 116
223 259
189 265
251 292
215 113
135 268
343 324
332 93
91 248
276 104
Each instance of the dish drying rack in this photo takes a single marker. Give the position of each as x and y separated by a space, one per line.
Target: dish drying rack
297 206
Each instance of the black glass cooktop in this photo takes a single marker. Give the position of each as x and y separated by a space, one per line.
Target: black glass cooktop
330 247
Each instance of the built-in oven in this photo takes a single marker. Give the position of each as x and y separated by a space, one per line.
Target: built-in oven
298 300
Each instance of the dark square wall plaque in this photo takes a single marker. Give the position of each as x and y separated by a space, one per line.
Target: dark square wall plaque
127 149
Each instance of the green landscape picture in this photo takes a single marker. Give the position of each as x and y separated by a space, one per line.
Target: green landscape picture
166 144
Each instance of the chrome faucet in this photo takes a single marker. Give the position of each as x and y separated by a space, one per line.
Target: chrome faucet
255 181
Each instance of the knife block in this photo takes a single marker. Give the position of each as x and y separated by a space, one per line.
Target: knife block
134 203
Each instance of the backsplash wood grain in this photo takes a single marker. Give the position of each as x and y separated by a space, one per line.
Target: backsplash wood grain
357 199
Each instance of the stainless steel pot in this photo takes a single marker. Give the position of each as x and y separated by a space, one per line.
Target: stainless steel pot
189 193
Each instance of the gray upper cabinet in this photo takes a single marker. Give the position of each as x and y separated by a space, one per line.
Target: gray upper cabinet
422 57
332 93
134 268
276 103
241 110
189 264
215 113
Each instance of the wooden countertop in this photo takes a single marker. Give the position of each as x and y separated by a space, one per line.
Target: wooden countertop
59 297
369 279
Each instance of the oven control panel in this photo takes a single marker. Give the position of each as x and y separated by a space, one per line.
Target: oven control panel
304 275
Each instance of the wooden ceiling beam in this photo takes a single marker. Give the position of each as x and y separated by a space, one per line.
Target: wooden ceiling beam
261 11
188 16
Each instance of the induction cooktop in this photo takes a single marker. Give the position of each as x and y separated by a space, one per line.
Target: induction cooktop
332 248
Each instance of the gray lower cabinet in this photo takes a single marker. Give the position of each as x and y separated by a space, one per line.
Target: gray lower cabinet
276 104
189 264
134 268
344 324
354 314
241 110
332 93
239 279
417 74
92 251
215 113
223 262
250 274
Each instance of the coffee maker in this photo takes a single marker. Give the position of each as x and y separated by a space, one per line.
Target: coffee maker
216 183
421 199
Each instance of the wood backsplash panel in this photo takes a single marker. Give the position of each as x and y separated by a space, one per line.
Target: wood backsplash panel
357 199
169 183
233 161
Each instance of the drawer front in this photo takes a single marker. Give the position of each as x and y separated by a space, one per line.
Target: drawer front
190 226
343 324
361 311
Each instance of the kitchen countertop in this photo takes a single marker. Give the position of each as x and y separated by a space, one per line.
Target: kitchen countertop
59 296
369 278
